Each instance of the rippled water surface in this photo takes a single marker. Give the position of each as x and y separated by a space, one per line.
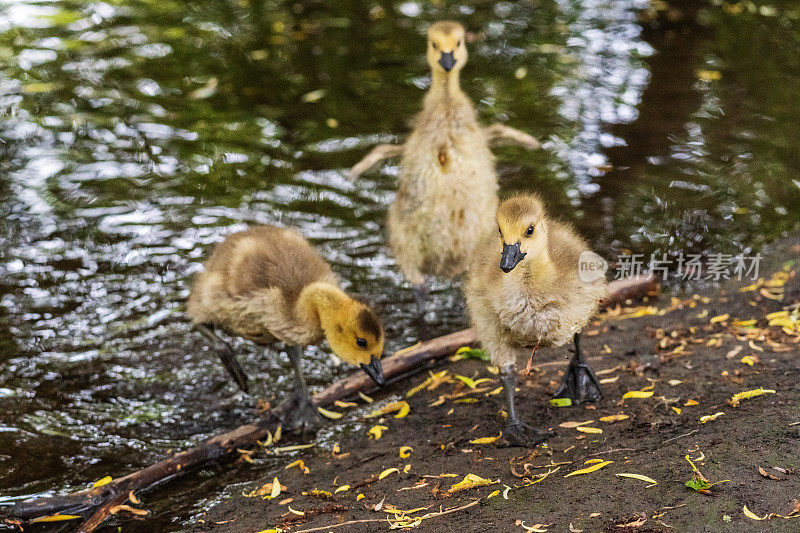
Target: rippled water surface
135 134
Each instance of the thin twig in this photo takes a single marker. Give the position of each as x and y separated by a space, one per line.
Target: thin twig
364 521
681 436
612 451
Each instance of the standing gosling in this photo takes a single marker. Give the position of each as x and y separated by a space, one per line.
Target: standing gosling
532 297
268 284
447 192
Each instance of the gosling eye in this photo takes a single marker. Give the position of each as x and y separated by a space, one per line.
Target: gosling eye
529 231
500 230
362 343
434 45
458 44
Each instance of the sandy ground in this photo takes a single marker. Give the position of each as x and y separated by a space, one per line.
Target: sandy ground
692 361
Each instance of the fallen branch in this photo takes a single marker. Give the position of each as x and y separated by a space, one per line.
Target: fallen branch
107 496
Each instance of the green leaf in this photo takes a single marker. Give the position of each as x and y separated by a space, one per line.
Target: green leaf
473 353
561 402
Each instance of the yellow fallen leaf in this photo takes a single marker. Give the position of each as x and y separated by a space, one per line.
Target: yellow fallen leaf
54 518
270 531
784 322
746 395
486 440
343 488
492 392
590 469
404 410
405 452
294 447
365 397
749 360
407 469
677 410
691 402
573 424
300 464
777 314
754 346
637 394
493 494
278 432
639 477
469 481
343 405
751 515
333 415
614 418
709 418
276 489
387 472
606 381
588 429
391 407
377 431
102 481
412 391
467 381
641 311
294 511
592 461
360 497
720 318
745 323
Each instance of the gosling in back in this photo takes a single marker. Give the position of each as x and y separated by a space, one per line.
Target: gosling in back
268 284
447 191
523 291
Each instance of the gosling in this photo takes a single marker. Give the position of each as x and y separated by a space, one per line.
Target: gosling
533 297
447 191
268 284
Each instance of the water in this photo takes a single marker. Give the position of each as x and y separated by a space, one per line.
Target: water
134 135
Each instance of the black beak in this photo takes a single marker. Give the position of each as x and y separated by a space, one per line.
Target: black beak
511 257
375 371
447 61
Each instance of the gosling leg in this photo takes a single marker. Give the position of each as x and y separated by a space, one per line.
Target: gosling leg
517 432
304 417
225 353
579 383
421 297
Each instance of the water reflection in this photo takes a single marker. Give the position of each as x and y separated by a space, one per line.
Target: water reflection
137 134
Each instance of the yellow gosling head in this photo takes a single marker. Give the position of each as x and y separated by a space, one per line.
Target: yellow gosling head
447 51
355 335
523 230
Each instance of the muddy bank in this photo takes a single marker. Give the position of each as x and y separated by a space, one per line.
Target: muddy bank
691 355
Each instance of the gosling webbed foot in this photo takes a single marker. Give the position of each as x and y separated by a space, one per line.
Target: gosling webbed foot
579 384
521 434
301 415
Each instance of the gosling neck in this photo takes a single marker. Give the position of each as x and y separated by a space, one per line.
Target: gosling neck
445 84
537 267
318 303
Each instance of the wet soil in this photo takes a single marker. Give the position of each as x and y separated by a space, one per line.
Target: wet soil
760 432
